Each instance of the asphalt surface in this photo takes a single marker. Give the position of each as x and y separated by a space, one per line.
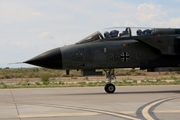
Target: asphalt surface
127 103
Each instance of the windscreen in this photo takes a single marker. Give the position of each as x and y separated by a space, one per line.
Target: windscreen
93 37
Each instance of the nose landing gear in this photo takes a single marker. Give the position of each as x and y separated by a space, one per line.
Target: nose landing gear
109 87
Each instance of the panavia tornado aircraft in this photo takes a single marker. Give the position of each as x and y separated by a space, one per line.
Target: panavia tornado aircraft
119 47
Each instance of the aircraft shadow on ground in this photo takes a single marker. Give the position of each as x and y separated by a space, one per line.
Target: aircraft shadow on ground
129 92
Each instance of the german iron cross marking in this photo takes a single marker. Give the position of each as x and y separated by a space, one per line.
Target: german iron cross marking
125 56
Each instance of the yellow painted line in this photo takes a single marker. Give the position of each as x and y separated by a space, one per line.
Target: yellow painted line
4 117
155 111
59 115
146 109
97 112
104 112
112 113
166 111
88 114
128 112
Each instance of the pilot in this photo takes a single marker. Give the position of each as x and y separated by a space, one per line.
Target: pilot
106 34
139 32
114 33
124 33
147 32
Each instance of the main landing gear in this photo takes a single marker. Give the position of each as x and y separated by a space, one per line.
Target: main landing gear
109 87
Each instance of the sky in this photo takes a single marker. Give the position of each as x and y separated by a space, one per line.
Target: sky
31 27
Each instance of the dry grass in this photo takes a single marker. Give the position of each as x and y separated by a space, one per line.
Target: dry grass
41 77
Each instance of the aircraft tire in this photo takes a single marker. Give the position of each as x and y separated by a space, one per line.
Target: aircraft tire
109 88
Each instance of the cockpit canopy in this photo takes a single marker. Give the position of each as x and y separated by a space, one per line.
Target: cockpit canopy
120 32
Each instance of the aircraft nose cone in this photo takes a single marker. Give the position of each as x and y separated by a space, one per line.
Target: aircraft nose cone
50 59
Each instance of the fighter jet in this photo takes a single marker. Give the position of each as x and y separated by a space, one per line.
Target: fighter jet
117 47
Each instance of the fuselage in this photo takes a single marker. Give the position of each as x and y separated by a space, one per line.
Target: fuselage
127 49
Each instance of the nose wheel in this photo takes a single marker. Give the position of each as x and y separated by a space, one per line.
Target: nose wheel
109 87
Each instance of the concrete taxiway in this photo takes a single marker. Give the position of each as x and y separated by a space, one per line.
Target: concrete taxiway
128 102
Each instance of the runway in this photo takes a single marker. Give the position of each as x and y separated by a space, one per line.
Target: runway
87 103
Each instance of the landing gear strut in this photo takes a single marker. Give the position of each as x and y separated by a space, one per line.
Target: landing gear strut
109 87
